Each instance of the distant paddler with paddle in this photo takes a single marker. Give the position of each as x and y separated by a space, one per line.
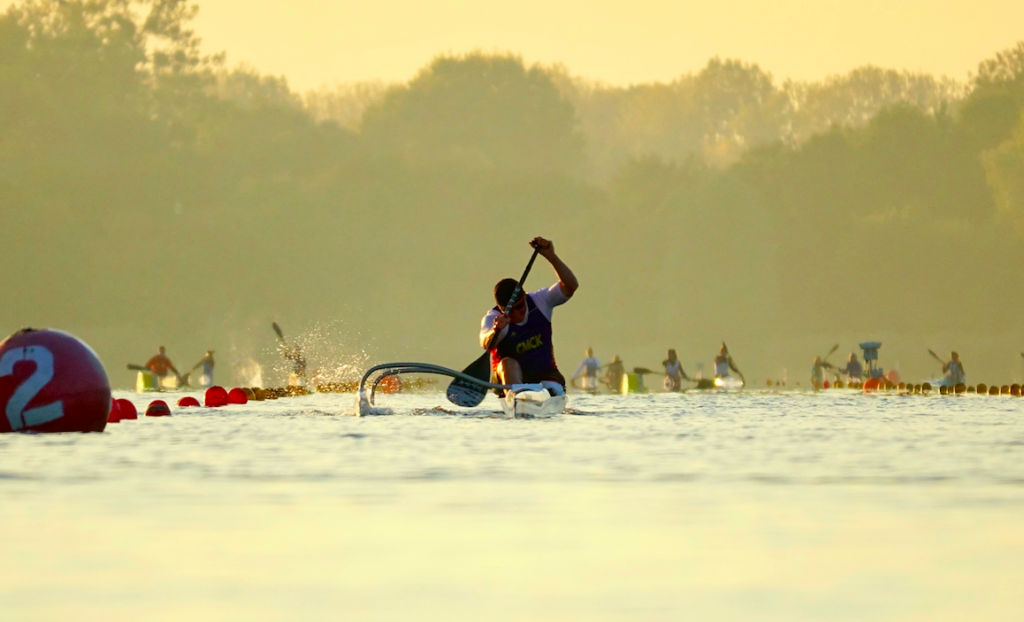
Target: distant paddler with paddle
854 369
723 365
293 354
517 332
159 365
586 373
674 372
818 368
614 374
953 369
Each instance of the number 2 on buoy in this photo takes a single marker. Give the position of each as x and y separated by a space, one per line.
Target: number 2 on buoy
16 413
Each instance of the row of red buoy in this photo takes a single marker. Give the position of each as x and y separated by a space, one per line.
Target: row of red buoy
215 397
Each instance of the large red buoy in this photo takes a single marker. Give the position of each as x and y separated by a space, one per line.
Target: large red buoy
871 384
216 396
127 409
158 408
237 396
51 381
187 401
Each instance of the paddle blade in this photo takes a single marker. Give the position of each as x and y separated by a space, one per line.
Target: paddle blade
277 329
641 371
467 394
137 367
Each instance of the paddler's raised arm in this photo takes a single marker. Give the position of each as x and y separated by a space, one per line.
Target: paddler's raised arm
566 279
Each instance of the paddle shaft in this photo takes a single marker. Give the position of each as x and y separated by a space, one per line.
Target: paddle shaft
830 353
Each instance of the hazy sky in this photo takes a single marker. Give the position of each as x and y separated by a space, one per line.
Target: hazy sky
318 41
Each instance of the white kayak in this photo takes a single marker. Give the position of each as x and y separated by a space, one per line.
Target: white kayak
527 401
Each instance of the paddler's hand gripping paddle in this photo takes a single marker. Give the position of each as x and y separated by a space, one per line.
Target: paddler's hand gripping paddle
468 394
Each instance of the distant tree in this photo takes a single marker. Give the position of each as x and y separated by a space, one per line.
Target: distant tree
480 108
851 100
344 103
1005 168
987 118
1005 71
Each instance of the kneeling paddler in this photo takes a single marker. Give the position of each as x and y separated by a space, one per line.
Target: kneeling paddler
523 352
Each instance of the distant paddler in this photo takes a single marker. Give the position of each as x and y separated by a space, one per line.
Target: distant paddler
206 376
674 373
953 369
614 374
292 354
723 365
818 368
160 365
519 338
854 370
818 372
586 373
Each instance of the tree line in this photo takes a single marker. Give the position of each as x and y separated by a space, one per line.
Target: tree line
153 194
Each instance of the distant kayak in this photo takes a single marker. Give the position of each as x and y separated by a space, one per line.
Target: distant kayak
146 382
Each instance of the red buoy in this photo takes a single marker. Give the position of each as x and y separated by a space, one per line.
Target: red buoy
216 396
871 384
158 408
115 412
51 381
826 385
187 401
390 385
237 396
127 409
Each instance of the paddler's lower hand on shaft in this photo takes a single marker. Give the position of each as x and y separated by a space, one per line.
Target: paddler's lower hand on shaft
501 322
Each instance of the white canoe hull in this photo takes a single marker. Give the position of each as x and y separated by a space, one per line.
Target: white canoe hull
532 404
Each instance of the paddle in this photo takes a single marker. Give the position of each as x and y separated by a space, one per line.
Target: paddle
830 353
137 367
467 394
736 369
280 333
936 356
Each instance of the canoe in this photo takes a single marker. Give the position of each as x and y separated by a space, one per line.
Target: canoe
532 401
146 382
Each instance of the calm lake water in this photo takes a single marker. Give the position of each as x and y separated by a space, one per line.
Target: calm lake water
755 506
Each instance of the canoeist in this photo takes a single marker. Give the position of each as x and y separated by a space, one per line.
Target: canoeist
818 372
206 377
723 363
160 365
522 351
853 370
954 370
614 374
586 373
674 372
297 377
